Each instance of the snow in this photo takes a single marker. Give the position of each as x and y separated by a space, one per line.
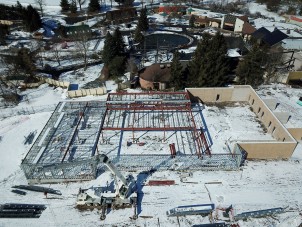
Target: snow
255 7
287 97
284 27
258 185
233 123
81 76
233 53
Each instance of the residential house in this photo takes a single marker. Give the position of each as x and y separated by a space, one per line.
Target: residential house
292 44
121 16
204 21
155 77
247 31
228 22
169 8
74 31
236 24
265 37
201 21
214 23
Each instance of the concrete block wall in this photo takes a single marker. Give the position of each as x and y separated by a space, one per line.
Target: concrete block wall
284 144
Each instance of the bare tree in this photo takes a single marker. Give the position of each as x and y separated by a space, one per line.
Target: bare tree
57 54
81 2
41 4
82 44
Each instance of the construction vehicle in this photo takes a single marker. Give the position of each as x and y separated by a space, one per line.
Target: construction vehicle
122 197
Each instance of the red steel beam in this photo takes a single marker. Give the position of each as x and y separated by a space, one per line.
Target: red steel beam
149 93
150 108
151 129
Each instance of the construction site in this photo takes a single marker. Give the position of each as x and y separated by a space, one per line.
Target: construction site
137 131
156 158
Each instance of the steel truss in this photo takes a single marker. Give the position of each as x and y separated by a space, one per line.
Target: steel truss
68 146
154 111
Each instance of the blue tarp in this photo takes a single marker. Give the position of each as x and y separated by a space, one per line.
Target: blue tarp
73 87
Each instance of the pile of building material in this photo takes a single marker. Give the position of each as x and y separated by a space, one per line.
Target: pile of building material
259 213
38 189
199 209
161 182
16 210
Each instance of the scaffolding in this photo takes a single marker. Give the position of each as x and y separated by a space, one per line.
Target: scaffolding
68 147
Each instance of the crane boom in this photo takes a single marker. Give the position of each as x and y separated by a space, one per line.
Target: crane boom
128 184
113 169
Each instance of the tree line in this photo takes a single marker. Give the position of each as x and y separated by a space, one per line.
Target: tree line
209 67
29 15
94 6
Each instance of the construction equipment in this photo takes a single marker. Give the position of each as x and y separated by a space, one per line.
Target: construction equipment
121 198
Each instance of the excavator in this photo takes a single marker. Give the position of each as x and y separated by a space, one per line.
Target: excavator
123 196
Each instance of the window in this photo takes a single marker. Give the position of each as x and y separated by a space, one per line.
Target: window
283 139
217 97
259 109
253 101
269 124
262 114
273 130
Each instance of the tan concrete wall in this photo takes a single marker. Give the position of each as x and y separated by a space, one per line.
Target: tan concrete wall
211 94
296 133
269 150
285 143
241 93
85 92
270 121
57 83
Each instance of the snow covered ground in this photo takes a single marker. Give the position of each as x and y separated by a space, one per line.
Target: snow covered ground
287 97
259 185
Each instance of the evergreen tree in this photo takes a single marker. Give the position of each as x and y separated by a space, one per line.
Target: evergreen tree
191 21
195 64
32 19
176 72
73 6
251 70
64 5
143 25
139 37
109 50
124 2
119 44
4 30
117 66
210 66
94 6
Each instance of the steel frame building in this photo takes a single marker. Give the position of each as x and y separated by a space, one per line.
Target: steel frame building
67 148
